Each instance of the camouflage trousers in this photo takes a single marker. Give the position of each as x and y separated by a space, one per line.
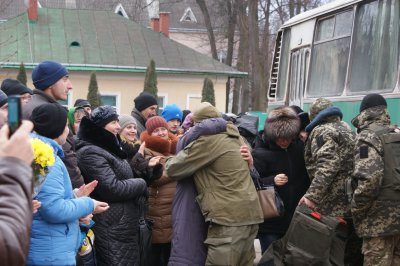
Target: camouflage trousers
381 251
231 245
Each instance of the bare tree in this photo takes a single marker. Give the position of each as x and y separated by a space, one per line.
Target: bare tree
241 91
210 31
232 15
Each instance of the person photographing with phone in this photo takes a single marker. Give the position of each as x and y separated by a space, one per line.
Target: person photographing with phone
16 155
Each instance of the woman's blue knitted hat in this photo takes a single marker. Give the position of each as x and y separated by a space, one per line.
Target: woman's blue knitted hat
172 111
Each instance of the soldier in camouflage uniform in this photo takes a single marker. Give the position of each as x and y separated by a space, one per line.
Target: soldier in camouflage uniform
376 220
329 159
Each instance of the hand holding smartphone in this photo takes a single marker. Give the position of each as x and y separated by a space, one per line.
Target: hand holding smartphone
14 113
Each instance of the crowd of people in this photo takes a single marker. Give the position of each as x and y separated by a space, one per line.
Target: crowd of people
193 172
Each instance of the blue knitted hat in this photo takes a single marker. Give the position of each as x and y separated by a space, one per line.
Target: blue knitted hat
172 111
47 73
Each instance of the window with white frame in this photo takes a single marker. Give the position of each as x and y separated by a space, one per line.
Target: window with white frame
161 102
110 99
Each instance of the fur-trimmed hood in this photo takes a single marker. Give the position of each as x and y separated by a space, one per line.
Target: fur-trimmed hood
281 122
90 132
157 144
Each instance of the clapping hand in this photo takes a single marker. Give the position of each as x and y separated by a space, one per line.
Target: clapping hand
141 148
86 219
100 206
155 160
85 190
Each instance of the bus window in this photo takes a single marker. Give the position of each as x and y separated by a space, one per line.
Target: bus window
283 68
325 29
375 52
330 55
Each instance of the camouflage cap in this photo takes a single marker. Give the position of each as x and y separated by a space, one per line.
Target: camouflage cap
319 105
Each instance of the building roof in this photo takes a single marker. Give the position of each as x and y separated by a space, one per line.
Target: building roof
179 9
98 40
137 10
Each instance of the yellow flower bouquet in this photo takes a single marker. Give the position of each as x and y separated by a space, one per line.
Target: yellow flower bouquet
43 159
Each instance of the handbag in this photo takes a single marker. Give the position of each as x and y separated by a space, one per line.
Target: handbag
145 232
270 201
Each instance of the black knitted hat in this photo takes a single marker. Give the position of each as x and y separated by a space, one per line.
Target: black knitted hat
103 115
144 100
14 87
372 100
49 120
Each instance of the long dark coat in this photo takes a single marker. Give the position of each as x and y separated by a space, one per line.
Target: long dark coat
116 230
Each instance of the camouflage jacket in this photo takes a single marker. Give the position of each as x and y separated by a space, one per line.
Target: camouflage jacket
372 217
329 161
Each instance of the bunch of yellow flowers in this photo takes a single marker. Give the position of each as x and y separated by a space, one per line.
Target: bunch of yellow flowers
43 159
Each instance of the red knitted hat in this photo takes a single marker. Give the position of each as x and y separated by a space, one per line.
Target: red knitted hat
155 122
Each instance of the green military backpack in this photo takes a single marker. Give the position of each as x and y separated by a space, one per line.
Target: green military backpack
312 239
390 186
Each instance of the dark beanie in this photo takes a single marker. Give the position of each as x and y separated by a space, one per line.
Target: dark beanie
103 115
80 103
48 73
14 87
155 122
144 100
49 120
372 100
3 98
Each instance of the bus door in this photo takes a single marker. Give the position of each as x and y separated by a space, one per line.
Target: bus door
299 63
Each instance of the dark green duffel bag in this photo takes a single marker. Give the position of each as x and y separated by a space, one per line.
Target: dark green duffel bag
312 239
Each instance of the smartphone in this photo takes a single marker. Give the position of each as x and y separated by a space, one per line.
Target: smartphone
14 113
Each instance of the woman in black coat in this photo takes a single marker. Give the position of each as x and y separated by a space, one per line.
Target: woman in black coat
279 159
101 158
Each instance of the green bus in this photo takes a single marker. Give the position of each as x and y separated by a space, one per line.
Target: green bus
340 51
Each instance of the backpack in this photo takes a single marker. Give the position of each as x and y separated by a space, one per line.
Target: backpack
390 186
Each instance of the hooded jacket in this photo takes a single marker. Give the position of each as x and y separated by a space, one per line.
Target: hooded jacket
372 216
16 210
101 158
227 195
55 235
189 228
162 190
